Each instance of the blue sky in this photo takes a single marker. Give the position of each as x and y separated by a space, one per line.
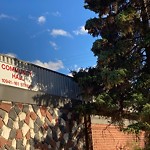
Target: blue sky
49 33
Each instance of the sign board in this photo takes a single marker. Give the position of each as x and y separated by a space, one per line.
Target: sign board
15 76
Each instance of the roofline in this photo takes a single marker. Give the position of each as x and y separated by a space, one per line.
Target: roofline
36 65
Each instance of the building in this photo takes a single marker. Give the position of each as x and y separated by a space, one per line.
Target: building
37 112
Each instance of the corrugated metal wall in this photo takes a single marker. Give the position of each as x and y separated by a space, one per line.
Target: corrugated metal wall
46 80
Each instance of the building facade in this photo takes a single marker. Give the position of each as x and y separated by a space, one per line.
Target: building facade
37 111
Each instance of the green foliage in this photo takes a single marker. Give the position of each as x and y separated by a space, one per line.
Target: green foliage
147 39
127 15
125 21
145 115
93 26
119 85
113 78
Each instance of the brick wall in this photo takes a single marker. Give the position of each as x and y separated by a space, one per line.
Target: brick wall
110 138
27 127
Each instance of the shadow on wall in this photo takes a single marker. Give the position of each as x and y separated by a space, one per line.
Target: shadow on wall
30 127
60 126
28 76
52 123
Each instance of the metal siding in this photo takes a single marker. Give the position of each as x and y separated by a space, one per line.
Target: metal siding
64 86
57 85
53 82
49 81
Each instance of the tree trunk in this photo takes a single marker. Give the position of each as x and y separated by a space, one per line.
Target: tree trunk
146 27
88 132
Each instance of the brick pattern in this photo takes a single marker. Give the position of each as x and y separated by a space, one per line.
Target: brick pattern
110 138
30 127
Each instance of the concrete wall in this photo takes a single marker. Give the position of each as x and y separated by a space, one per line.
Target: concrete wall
29 127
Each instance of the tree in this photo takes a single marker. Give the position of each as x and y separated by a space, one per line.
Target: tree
119 85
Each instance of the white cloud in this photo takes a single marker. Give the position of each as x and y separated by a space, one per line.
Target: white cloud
11 55
4 16
60 32
74 68
70 74
41 19
50 65
80 31
53 44
53 65
56 14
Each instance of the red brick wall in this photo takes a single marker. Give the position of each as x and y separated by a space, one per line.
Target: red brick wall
110 138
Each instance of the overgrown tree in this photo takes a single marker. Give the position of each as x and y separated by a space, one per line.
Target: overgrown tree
119 85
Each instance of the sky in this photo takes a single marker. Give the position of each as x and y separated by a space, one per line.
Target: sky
48 33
